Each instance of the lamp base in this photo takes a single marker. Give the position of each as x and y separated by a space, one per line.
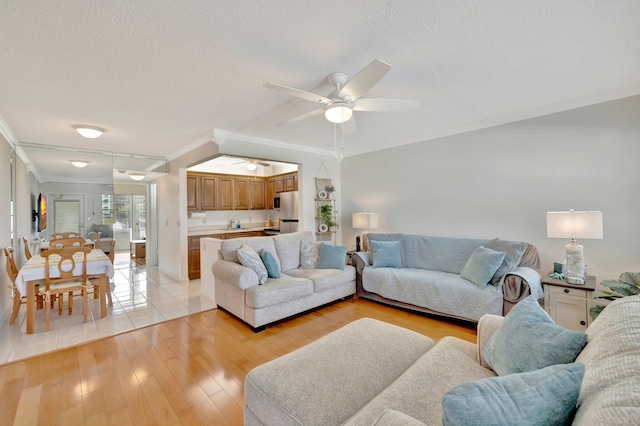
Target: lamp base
358 243
576 268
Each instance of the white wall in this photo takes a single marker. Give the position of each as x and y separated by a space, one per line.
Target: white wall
500 182
5 225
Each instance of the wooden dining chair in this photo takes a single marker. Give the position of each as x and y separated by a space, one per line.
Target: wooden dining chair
58 235
67 242
27 252
67 282
95 279
12 272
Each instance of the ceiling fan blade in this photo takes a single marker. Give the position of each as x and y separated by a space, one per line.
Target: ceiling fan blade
301 117
264 164
364 80
384 104
308 96
349 126
239 162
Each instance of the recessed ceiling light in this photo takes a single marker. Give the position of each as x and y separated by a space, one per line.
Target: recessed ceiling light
79 163
90 132
136 176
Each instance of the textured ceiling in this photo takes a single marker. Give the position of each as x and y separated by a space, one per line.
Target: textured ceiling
160 74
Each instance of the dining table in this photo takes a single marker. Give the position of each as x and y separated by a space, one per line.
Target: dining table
98 263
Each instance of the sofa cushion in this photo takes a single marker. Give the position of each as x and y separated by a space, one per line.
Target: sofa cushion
332 257
386 254
542 397
387 237
481 265
396 418
288 248
276 291
249 258
273 269
439 291
528 339
610 391
419 390
513 254
325 278
229 248
300 387
309 252
438 253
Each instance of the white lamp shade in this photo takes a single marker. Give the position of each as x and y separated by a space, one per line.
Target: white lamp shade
364 220
338 113
575 224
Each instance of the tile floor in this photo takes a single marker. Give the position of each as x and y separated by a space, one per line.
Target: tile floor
142 296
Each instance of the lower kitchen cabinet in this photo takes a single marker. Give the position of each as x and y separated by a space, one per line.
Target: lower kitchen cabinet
194 247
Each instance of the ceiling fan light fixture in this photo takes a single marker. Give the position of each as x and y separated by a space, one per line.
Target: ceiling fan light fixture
136 176
89 132
338 113
251 166
79 163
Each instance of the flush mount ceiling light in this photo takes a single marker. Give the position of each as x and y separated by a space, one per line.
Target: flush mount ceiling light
79 163
136 176
338 113
89 132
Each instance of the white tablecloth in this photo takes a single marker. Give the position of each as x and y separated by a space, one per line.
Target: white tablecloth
97 263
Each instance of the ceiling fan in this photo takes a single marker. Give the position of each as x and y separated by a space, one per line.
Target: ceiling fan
338 107
251 163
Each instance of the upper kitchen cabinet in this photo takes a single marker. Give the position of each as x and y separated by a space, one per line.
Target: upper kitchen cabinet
208 191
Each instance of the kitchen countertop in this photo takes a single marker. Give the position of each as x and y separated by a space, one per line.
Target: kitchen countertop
202 230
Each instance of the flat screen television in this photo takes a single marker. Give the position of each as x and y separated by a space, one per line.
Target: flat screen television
42 212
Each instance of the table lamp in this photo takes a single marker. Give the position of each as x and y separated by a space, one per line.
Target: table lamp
363 220
575 224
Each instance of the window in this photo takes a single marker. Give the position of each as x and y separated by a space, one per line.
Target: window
66 216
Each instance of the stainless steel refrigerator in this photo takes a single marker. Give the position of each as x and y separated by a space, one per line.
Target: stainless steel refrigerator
289 208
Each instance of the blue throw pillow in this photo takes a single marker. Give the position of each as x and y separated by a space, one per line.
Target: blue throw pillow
270 262
332 257
543 397
528 340
481 266
386 254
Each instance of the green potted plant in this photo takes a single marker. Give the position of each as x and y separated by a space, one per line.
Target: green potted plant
627 285
326 215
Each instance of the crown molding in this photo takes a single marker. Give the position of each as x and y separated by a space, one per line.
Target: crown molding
221 136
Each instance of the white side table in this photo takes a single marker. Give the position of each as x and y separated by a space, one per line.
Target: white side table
569 304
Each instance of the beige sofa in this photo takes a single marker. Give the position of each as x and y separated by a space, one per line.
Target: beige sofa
373 373
297 290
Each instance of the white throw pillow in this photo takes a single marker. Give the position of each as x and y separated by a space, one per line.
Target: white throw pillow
249 258
309 253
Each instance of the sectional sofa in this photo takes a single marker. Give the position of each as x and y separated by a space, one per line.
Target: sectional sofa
302 285
432 274
373 373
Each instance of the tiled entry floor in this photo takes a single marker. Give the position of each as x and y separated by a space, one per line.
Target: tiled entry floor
142 296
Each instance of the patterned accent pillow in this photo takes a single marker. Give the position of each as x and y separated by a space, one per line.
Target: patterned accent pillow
249 258
309 253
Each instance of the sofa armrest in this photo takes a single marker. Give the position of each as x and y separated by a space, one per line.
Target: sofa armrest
518 284
487 325
235 274
359 260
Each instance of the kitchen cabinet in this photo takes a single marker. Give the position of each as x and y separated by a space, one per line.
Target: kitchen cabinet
258 194
242 194
226 186
194 247
210 191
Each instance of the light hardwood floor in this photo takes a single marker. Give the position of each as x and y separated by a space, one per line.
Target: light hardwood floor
187 371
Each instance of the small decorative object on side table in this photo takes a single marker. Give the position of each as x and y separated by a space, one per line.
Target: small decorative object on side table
569 304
